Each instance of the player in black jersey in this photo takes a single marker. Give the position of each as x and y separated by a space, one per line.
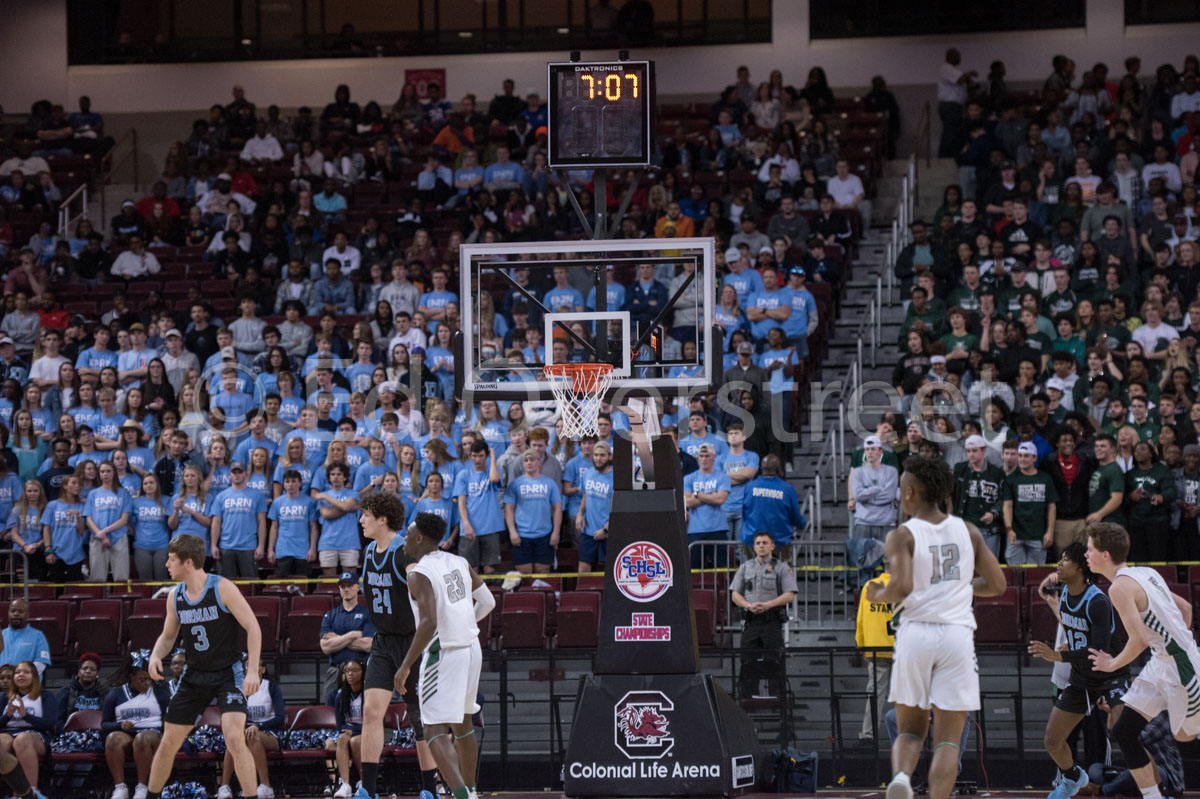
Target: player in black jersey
1086 616
385 584
207 610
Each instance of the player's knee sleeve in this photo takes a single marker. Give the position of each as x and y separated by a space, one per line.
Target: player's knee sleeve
414 719
1126 733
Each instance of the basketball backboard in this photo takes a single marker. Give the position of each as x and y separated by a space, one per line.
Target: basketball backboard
637 330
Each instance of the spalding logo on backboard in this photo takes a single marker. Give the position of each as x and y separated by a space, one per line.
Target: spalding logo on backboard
643 571
641 725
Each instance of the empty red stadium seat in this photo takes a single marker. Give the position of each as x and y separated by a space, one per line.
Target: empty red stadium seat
578 619
322 604
704 604
144 622
304 630
523 621
266 610
312 717
50 616
998 618
1043 624
81 721
98 626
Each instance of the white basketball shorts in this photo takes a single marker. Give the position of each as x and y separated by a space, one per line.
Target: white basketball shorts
935 665
449 683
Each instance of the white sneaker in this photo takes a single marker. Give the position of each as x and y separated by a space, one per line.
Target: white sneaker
344 790
120 791
141 791
900 787
225 792
265 792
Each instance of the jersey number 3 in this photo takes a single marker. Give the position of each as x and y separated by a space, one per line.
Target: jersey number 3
945 563
201 637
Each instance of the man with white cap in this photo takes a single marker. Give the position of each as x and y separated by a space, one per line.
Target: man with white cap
977 493
875 487
745 281
177 360
1029 510
704 494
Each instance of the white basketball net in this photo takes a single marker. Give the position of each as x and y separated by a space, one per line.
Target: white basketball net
579 392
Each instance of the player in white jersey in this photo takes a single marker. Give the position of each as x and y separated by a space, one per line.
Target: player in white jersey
1153 617
450 599
933 559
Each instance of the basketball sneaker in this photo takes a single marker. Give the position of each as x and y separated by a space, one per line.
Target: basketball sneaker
344 791
361 793
1068 787
900 787
120 791
224 792
425 795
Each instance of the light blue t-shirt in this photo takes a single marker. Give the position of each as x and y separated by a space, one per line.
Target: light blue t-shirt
437 300
780 382
10 492
25 644
294 517
65 539
342 532
745 284
108 426
140 458
238 510
150 523
767 300
92 358
445 509
706 518
483 500
187 523
104 507
562 300
691 444
495 435
615 295
533 499
573 473
730 463
598 488
803 304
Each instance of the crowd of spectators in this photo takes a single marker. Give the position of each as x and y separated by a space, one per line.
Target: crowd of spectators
1048 352
271 327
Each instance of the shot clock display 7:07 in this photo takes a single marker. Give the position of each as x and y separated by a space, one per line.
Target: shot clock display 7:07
600 113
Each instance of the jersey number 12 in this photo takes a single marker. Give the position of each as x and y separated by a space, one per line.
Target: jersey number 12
945 563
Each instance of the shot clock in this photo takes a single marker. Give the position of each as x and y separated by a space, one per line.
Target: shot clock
600 113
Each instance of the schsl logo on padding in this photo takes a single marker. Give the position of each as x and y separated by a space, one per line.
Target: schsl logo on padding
641 726
643 571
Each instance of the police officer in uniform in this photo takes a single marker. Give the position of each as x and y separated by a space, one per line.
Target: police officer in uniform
763 588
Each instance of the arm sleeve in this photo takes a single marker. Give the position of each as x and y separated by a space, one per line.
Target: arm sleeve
275 722
108 713
48 722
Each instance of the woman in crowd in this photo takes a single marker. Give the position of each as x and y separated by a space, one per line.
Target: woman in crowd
23 527
347 703
293 457
63 533
106 514
152 534
28 720
190 507
131 722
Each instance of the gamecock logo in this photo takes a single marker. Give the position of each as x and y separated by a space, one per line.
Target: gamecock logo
641 726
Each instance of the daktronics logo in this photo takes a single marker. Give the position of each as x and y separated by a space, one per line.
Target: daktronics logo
641 727
643 571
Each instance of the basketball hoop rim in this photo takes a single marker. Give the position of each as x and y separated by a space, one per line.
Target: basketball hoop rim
585 377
